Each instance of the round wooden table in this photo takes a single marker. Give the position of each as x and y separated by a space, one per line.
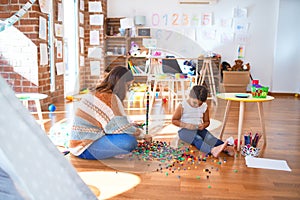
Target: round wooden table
243 98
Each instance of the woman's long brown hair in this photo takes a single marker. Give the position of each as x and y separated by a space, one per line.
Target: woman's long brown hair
115 82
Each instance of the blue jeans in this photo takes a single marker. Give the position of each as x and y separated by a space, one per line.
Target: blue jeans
202 139
8 190
110 145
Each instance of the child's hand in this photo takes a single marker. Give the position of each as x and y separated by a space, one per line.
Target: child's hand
201 127
191 126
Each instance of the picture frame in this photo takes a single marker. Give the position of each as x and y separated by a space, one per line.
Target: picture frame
143 32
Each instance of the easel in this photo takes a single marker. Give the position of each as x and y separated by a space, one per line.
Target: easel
207 68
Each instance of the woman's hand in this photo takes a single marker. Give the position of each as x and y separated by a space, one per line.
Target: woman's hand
138 133
139 124
148 138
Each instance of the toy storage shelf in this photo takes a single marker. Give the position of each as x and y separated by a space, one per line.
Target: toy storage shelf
116 51
117 47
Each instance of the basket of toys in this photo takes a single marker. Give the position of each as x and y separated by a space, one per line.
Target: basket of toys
250 145
248 150
258 91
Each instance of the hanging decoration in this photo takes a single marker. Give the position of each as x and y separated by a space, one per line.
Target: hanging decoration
16 17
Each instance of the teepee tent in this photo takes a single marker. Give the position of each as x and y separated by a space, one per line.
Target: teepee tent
29 160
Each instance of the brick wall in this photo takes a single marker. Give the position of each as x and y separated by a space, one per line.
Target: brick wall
29 25
58 94
86 79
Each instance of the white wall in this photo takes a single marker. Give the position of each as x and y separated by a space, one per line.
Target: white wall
262 18
286 71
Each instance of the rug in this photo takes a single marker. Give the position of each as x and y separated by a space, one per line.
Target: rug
107 184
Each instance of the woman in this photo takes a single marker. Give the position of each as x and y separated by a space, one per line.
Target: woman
101 128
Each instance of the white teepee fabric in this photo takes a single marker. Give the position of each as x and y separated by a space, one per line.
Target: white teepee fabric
30 159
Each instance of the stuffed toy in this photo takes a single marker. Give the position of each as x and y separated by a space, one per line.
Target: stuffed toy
192 67
225 66
238 66
246 67
135 49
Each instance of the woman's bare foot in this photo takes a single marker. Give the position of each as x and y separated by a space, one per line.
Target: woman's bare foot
218 149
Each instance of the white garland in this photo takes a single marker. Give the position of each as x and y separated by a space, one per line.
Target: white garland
18 15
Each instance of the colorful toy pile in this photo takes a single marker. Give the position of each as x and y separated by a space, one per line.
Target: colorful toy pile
175 159
259 91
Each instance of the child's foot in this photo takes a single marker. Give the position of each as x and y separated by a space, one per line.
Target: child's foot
218 149
229 150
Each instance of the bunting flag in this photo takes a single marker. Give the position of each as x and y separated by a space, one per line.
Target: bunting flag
16 17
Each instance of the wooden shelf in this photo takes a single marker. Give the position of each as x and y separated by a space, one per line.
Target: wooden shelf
115 37
140 37
119 46
116 55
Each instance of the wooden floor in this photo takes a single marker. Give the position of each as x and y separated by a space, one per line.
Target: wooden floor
224 178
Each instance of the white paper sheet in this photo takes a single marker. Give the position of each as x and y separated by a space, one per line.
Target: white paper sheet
59 31
265 163
81 46
59 49
81 61
126 23
94 52
95 7
81 6
95 68
94 37
240 12
81 18
96 20
59 12
45 6
43 54
60 68
81 32
42 28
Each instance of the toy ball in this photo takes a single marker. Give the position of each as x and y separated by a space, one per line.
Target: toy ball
164 100
70 98
51 108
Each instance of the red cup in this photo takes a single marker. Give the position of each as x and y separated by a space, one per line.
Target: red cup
236 142
255 82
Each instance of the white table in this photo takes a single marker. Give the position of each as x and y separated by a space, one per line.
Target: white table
173 88
232 97
36 97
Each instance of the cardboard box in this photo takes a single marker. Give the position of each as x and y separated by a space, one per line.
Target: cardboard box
236 88
236 77
235 81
